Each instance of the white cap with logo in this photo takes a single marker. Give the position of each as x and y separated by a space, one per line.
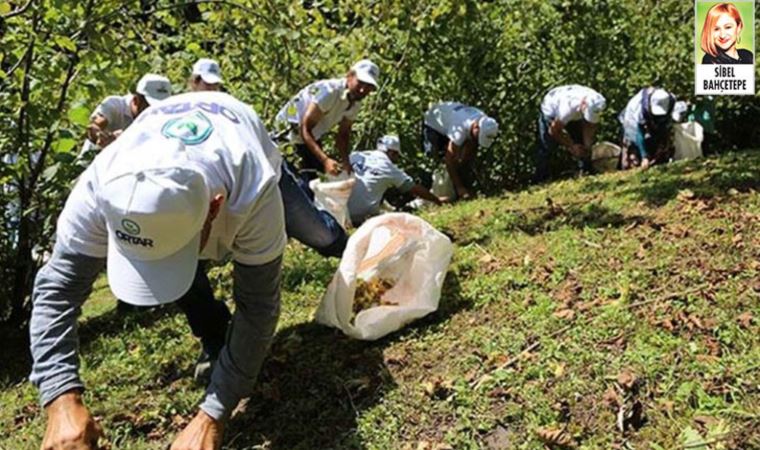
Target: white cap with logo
389 142
366 71
154 88
660 102
208 70
595 104
155 202
489 129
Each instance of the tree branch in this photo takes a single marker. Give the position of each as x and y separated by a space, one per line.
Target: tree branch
17 12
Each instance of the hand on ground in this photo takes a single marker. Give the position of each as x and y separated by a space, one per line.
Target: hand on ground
70 425
202 433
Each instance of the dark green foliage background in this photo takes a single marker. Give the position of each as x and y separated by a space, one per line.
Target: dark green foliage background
60 58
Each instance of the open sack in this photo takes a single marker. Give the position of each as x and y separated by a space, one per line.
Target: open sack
688 139
332 196
392 270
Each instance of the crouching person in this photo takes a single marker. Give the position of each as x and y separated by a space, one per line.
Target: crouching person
193 178
454 132
376 172
569 117
646 122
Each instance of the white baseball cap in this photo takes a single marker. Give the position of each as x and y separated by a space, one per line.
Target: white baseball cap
389 142
154 88
208 70
155 201
366 71
489 129
595 104
659 102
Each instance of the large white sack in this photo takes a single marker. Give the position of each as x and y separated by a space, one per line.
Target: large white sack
688 138
605 156
398 247
332 196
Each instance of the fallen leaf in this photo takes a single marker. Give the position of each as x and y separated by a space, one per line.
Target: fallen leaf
611 398
567 314
555 437
627 379
745 319
559 370
705 421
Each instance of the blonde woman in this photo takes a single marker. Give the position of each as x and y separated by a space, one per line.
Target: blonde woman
721 34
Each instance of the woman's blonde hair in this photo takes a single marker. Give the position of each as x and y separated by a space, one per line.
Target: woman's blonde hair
708 43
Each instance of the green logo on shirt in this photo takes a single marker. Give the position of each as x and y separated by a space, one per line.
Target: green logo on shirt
191 129
130 227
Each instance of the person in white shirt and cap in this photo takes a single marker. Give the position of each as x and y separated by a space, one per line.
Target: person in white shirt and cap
195 177
376 172
206 76
317 108
569 117
646 123
115 113
454 132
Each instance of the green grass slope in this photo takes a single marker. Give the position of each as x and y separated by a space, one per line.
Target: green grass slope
613 312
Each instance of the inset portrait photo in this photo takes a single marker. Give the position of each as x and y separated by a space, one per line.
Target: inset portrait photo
726 32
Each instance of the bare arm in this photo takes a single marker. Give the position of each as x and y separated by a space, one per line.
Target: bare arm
451 159
97 133
342 143
421 192
558 133
310 120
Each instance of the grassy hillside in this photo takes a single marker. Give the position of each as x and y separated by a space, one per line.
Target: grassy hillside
626 300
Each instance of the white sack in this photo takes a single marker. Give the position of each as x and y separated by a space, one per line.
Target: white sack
399 247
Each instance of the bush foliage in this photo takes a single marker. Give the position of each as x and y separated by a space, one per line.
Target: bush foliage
60 58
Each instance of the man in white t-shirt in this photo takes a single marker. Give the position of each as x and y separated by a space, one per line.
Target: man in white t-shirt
115 113
569 117
454 132
206 76
317 108
194 177
376 172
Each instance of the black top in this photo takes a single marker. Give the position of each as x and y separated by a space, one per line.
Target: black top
745 57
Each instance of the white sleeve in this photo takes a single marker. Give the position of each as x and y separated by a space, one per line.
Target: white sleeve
325 97
81 227
457 135
260 230
401 180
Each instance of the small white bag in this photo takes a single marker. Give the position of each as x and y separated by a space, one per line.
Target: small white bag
332 196
398 247
442 184
688 138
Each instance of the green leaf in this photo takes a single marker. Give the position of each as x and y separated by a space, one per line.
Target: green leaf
65 43
80 115
64 145
693 440
50 172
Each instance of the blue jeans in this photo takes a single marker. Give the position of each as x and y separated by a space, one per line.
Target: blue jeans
547 145
208 318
